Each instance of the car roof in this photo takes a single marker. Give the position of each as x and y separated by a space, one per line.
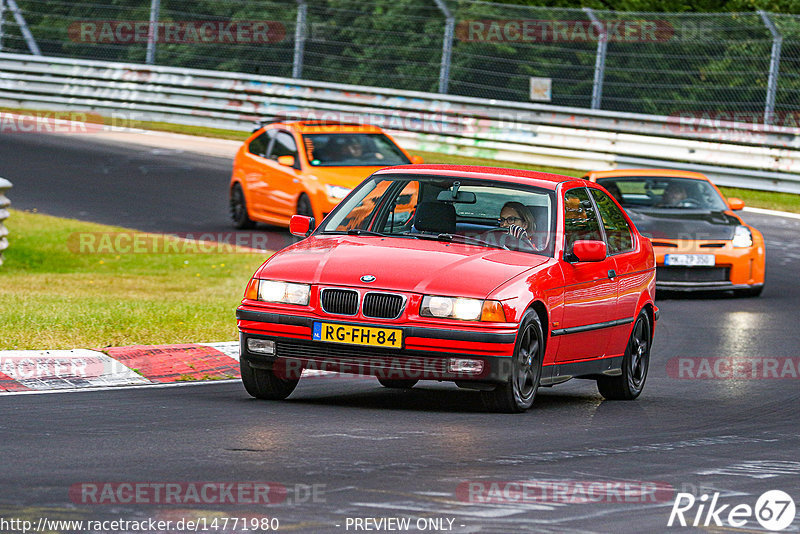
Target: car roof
619 173
322 126
540 179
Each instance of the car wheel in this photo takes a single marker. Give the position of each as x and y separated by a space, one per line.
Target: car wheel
264 384
517 394
304 206
239 209
635 362
398 383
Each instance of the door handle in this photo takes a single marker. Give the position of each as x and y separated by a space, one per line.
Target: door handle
612 274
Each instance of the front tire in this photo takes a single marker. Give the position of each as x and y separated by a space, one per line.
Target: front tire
304 206
635 363
518 393
238 208
264 384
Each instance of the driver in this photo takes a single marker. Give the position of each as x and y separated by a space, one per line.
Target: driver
674 194
518 219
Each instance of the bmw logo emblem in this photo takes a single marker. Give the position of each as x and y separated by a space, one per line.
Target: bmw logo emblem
367 278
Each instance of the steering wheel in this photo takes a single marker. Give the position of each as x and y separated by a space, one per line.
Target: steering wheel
689 203
508 241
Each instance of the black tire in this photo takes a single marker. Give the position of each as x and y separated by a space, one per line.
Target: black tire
304 206
264 384
398 383
518 393
238 208
635 363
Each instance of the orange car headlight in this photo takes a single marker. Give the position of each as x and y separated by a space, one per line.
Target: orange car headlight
742 237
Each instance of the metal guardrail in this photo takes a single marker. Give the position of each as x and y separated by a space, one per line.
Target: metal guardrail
5 185
743 155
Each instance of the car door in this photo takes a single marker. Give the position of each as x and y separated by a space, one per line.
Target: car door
631 279
284 182
253 169
590 293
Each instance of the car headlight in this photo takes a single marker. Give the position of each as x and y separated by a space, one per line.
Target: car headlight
282 292
336 191
742 237
463 309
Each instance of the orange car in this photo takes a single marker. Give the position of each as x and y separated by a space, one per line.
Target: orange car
306 168
700 244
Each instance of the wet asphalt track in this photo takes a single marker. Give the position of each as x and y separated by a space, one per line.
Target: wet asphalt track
376 453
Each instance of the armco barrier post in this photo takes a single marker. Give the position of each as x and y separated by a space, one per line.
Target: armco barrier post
4 203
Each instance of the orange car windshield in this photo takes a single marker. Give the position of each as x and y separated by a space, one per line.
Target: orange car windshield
352 150
665 192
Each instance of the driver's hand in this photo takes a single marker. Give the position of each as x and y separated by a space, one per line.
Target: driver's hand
518 232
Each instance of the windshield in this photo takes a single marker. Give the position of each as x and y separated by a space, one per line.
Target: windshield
664 192
473 212
352 150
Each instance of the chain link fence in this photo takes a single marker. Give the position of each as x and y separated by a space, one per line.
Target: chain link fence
718 64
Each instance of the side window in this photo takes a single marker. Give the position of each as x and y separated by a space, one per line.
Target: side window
284 145
580 219
618 232
258 146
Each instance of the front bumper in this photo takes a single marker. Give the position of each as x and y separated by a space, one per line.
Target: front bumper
734 268
426 354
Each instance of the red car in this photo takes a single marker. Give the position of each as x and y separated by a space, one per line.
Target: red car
498 280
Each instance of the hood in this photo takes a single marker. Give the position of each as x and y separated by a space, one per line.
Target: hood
684 224
399 264
343 176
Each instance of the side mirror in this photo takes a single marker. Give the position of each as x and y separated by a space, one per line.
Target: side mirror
286 161
300 225
736 204
589 250
416 160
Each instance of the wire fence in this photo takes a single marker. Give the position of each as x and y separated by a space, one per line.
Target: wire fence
731 66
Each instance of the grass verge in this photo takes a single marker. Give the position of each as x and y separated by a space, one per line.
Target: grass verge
56 298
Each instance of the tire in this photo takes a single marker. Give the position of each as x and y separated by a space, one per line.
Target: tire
264 384
304 206
238 209
518 393
398 383
635 363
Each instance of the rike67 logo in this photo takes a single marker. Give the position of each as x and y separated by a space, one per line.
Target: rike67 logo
774 510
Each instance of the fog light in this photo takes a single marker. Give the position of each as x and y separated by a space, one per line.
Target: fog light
466 366
261 346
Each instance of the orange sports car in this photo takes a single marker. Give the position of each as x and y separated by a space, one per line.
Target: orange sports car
306 168
700 244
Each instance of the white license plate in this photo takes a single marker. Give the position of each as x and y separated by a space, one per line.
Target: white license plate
690 260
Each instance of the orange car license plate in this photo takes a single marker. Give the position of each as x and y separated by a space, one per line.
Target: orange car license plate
358 335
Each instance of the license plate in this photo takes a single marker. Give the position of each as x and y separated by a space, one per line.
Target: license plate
690 260
358 335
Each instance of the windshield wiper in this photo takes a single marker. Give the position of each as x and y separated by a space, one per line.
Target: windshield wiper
455 237
359 231
353 231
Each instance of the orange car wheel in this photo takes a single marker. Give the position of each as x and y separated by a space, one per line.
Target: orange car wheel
241 219
304 206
